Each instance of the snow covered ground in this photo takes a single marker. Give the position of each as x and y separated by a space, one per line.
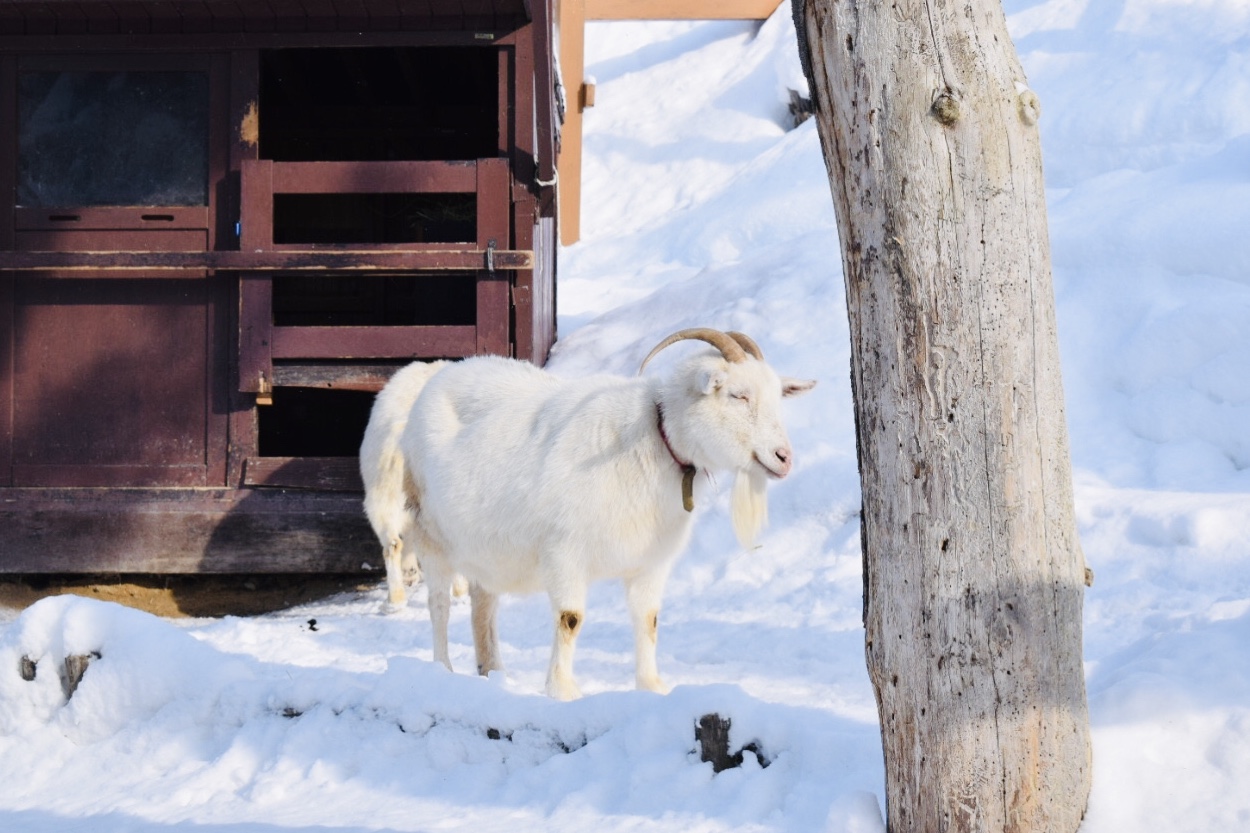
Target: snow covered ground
702 207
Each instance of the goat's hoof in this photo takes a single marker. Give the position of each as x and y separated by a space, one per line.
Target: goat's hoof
653 684
565 691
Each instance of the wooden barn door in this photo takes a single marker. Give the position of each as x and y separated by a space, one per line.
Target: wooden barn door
365 156
111 377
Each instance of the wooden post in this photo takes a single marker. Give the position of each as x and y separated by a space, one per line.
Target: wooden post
572 22
974 576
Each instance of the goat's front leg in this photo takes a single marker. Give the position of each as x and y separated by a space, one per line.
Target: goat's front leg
568 606
485 631
642 595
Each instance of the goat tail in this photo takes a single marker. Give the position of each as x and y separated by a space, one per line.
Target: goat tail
749 505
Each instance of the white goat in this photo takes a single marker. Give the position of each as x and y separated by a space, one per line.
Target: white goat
522 481
382 470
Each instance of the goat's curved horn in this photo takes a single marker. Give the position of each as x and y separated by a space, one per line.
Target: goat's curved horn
728 346
747 343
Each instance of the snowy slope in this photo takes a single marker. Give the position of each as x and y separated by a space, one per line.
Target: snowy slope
702 207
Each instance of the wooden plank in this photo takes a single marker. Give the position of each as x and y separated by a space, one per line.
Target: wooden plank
321 15
223 211
544 92
384 15
185 245
323 474
8 147
156 218
572 27
40 19
132 17
196 18
373 177
255 332
546 249
374 342
8 166
430 258
680 9
478 15
100 19
227 16
123 476
521 146
6 382
12 21
208 40
244 143
289 15
257 15
506 117
92 408
255 204
70 19
351 15
219 391
244 425
494 207
360 377
523 313
182 531
166 19
420 257
416 14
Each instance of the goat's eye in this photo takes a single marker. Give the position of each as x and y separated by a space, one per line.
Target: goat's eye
741 396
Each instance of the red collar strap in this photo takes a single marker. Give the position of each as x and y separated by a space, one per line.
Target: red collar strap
687 469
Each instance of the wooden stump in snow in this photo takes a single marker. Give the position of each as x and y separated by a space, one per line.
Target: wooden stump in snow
74 668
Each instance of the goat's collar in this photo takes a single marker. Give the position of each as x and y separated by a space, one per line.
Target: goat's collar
687 469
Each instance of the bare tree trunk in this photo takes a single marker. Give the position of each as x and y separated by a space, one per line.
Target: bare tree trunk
974 576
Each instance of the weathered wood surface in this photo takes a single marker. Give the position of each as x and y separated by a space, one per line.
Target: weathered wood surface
33 17
333 474
164 264
361 377
64 531
973 571
680 9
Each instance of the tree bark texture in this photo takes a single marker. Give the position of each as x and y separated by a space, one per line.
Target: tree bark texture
974 576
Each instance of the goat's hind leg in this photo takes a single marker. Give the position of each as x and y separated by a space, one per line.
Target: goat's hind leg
438 586
392 551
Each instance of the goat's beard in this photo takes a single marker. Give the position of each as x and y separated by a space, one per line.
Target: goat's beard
749 505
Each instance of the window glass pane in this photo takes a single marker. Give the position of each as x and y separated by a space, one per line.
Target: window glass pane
112 138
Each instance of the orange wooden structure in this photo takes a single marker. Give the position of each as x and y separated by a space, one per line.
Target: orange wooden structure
571 21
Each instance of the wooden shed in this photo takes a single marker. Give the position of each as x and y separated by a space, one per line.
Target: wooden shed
223 225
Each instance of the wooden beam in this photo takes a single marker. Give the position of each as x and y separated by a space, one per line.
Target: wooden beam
572 23
374 342
162 264
359 377
680 9
323 474
183 531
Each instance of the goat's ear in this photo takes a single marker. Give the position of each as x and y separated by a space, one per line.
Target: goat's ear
711 380
796 387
